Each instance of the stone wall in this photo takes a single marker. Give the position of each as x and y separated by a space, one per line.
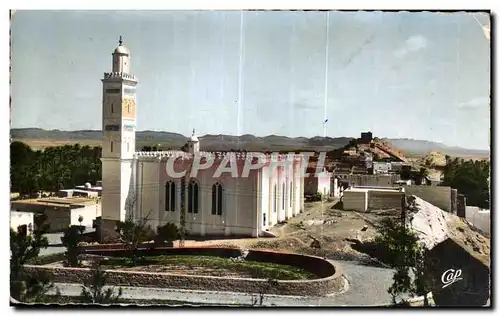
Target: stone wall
59 219
355 200
437 196
454 200
461 206
383 200
331 276
388 180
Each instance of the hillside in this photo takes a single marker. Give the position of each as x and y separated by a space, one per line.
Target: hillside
226 142
419 147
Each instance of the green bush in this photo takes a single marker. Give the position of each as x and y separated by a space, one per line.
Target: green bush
168 232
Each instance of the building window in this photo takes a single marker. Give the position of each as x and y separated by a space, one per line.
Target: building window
283 197
112 108
128 147
111 146
290 194
170 196
275 198
193 197
217 199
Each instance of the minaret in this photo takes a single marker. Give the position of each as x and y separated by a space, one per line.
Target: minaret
118 144
193 144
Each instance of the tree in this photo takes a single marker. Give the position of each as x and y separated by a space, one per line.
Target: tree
93 288
406 255
23 248
53 168
132 233
70 241
470 178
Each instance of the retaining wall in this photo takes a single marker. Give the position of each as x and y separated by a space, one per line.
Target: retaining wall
437 196
330 279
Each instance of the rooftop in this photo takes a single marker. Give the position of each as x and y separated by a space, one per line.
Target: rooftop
65 203
379 189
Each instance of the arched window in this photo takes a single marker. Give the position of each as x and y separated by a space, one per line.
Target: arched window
217 199
193 197
170 196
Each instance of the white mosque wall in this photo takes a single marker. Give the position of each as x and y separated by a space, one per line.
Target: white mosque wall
265 197
239 216
111 174
245 199
147 192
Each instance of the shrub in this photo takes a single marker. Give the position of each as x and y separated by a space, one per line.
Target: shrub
168 232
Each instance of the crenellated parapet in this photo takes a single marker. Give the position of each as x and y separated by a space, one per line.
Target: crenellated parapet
119 75
165 155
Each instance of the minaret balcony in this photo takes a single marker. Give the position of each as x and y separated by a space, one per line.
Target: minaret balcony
119 75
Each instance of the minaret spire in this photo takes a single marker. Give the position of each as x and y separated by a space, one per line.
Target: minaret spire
193 132
120 41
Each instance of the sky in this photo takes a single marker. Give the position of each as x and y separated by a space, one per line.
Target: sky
418 75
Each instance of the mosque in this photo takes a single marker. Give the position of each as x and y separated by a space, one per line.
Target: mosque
137 183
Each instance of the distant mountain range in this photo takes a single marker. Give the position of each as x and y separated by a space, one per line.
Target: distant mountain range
249 142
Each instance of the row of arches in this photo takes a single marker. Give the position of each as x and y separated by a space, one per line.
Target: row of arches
193 197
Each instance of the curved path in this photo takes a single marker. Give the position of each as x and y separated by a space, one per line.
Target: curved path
367 287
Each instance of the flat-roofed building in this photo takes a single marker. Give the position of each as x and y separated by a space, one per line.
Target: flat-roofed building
61 212
362 199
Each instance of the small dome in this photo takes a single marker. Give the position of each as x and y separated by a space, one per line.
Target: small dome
122 50
88 185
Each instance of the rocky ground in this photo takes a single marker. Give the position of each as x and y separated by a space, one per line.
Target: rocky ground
323 229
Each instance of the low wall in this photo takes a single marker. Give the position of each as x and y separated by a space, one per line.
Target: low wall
355 200
374 180
479 218
437 196
383 200
330 279
89 213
